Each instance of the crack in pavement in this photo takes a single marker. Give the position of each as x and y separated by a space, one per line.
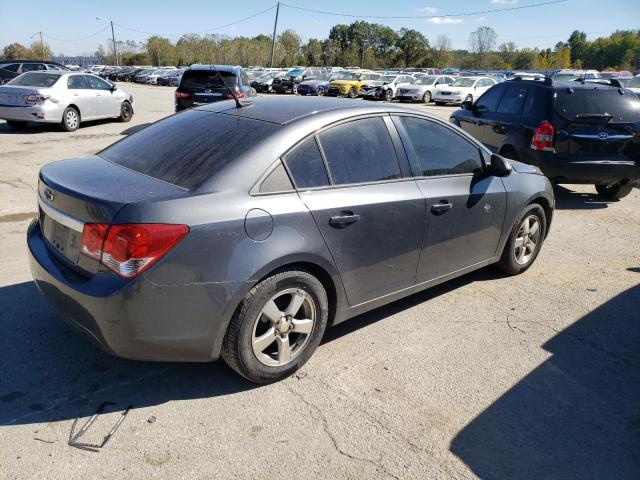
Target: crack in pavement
334 441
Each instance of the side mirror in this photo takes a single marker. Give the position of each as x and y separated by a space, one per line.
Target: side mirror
113 88
467 105
500 167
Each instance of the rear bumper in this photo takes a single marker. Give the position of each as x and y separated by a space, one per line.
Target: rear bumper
585 169
49 113
136 319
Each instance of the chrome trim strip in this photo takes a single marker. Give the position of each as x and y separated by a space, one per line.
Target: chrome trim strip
596 137
62 218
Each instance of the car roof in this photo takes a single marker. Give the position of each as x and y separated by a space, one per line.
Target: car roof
286 110
220 68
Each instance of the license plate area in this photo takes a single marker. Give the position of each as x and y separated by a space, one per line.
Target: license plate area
62 239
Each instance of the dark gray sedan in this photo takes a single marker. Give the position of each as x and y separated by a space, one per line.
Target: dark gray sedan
245 232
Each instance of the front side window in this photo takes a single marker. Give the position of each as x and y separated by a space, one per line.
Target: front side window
513 100
360 151
30 67
97 83
12 68
439 150
489 100
306 166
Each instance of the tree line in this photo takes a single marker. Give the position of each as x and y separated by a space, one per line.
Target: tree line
370 45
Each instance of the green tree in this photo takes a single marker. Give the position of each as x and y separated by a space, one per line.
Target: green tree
481 42
290 42
16 51
413 47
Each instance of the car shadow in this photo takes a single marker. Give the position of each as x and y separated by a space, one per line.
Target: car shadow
34 128
577 415
51 374
567 199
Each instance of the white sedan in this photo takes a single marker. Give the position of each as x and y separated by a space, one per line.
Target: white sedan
66 98
462 90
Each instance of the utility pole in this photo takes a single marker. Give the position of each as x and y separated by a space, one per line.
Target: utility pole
115 52
362 58
42 46
273 38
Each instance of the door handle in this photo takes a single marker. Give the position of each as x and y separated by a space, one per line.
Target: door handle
342 221
440 208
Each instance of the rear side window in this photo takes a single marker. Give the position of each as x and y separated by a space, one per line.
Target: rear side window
12 68
360 151
536 103
513 100
276 181
207 80
306 166
589 104
188 148
439 150
32 79
77 82
29 67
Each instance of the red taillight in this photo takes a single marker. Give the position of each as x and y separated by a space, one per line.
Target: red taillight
130 248
238 94
182 95
543 137
34 98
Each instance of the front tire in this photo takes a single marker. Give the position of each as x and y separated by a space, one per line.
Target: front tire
70 120
426 98
388 95
615 191
17 124
352 93
277 327
126 112
320 91
525 241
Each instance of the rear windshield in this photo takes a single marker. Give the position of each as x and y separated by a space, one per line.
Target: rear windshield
32 79
206 80
592 105
188 148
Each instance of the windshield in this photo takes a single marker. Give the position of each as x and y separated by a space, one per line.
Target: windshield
295 73
32 79
387 78
426 81
348 76
633 82
464 82
564 77
600 105
206 79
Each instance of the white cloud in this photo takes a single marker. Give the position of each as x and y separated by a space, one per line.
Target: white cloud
428 9
444 20
503 2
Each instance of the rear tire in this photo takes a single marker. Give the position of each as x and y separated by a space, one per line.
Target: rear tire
70 120
615 191
126 112
519 254
388 95
17 124
320 91
426 98
263 343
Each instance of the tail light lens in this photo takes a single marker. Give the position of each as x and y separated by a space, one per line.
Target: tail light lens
129 249
35 98
543 137
238 94
182 95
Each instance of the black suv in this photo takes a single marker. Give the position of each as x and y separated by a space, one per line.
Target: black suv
10 69
202 84
290 81
576 132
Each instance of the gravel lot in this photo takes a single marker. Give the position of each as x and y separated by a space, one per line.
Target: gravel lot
535 376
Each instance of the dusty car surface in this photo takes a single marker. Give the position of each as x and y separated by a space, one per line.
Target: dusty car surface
245 232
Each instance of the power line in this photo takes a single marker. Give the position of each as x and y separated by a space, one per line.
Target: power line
75 39
201 31
464 14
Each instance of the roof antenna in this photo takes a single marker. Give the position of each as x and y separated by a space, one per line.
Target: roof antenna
233 94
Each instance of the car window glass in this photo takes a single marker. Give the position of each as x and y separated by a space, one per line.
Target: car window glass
97 83
306 166
536 102
512 100
12 68
440 150
360 151
29 67
75 82
35 79
276 181
490 99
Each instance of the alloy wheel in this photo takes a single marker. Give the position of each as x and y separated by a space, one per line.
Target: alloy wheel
320 91
71 119
284 326
527 239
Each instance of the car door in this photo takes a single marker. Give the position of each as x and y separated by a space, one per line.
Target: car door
497 124
465 206
82 96
481 121
108 103
371 215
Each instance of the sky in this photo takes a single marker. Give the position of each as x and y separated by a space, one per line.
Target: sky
70 26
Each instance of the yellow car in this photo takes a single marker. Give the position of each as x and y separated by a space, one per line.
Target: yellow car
349 83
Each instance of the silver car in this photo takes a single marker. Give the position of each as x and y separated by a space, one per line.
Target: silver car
66 98
423 89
